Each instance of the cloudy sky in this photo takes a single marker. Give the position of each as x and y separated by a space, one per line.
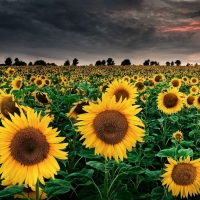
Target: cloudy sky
91 30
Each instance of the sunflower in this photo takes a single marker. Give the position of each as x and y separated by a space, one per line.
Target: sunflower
126 78
170 102
10 71
144 97
17 83
194 89
194 80
111 127
151 83
39 82
158 78
28 191
7 105
103 87
189 100
140 86
29 148
121 89
176 82
182 177
196 102
185 79
77 109
41 97
178 136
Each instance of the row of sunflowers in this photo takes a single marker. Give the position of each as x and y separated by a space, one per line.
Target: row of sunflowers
116 132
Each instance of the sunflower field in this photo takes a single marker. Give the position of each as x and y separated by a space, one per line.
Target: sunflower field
100 132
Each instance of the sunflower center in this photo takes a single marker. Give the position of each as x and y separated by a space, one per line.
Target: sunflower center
198 99
175 83
29 146
121 93
79 108
194 80
170 100
190 100
18 83
158 78
39 82
41 97
139 85
8 106
184 174
110 126
27 189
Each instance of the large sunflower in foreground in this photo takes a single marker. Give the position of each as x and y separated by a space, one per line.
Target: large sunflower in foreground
121 89
111 127
170 102
182 177
28 148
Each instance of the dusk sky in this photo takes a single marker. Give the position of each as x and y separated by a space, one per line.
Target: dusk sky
91 30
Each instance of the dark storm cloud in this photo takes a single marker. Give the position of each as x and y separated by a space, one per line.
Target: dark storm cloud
54 28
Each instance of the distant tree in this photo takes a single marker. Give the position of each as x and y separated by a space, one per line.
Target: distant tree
153 63
103 62
8 61
30 64
67 63
40 62
172 63
19 63
51 64
98 63
75 62
110 61
146 62
167 63
126 62
178 62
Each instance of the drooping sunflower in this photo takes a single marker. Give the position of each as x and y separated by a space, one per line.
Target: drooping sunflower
178 136
28 191
121 89
111 127
77 109
41 97
182 177
170 102
29 148
17 83
7 105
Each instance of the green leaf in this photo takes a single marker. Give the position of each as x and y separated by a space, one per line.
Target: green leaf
153 175
185 152
166 153
157 193
97 165
173 118
123 195
56 187
187 143
133 156
88 153
11 191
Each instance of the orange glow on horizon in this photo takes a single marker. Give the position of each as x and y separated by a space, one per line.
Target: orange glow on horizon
192 26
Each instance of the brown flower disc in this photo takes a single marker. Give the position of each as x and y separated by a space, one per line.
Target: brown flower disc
121 93
110 126
170 100
79 108
41 97
8 106
29 146
184 174
190 100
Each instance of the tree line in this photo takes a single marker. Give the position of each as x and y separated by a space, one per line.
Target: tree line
75 62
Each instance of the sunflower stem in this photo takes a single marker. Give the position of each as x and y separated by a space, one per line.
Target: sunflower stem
37 196
106 184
